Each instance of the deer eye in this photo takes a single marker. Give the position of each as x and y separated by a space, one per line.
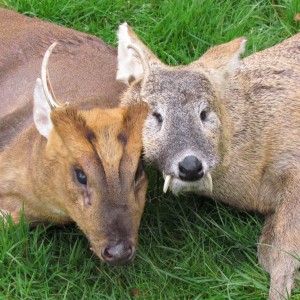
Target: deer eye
158 117
81 177
139 172
203 115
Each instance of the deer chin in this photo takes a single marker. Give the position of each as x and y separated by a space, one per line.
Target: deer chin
178 186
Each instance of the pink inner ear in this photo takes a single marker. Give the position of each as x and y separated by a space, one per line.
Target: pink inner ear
42 123
41 111
42 119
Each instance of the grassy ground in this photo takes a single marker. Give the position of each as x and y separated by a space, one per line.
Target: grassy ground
190 248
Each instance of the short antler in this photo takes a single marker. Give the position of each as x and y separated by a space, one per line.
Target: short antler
53 103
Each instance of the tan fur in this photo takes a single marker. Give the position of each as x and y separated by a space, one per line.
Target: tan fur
39 174
249 140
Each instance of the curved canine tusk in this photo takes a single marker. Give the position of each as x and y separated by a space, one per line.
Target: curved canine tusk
45 78
208 182
167 183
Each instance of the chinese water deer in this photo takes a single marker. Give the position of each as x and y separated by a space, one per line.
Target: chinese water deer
79 162
229 129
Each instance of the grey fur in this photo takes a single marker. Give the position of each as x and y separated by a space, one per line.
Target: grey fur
250 142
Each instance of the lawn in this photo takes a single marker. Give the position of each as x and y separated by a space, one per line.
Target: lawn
189 247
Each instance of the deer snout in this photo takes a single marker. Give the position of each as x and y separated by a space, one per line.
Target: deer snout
118 253
190 168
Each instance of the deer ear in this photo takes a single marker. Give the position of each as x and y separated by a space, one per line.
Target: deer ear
221 61
41 110
135 59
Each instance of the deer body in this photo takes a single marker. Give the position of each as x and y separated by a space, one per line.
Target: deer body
78 162
82 73
229 129
262 101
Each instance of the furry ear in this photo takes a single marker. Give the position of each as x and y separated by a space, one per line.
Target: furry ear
41 110
221 61
135 60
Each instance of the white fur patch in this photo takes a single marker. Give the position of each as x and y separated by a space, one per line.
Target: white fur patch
235 60
128 65
181 187
41 110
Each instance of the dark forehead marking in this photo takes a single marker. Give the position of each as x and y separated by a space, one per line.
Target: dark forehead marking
80 123
122 138
90 135
92 138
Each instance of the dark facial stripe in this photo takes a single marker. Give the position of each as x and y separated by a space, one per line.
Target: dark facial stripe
93 141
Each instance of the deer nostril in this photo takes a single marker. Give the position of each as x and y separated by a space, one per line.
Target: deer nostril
190 168
118 254
106 254
182 168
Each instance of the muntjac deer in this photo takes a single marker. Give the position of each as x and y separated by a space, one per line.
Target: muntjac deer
79 162
229 129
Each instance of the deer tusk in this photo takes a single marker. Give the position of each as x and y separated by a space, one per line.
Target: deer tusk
167 183
208 182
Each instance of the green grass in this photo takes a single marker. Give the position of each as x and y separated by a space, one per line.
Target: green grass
190 248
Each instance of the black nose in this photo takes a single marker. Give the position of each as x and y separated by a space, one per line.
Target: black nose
190 169
118 253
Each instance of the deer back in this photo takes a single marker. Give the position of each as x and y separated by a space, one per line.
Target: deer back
83 71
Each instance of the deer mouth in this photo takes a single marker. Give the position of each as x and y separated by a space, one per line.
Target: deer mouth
203 184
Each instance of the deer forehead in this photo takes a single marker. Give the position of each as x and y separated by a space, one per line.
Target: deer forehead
112 141
88 134
177 84
106 137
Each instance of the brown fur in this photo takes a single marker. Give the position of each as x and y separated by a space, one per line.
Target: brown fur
249 141
39 174
81 60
